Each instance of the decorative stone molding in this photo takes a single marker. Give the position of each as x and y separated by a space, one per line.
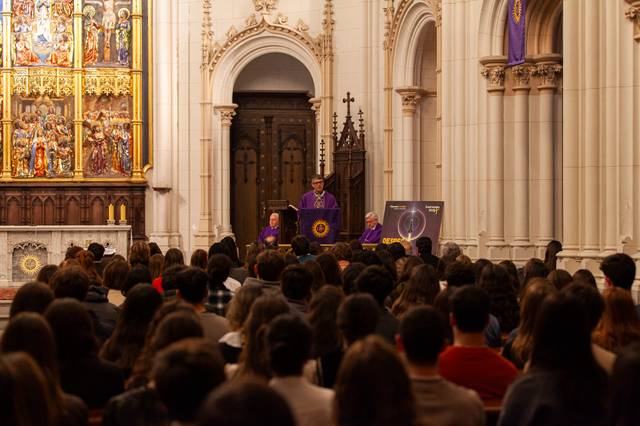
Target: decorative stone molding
411 97
207 32
548 74
327 26
522 76
394 17
227 112
633 14
265 6
320 46
494 73
438 14
316 104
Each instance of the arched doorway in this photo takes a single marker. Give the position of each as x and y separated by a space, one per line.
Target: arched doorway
273 140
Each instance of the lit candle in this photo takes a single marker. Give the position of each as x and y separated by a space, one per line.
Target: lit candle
112 215
123 213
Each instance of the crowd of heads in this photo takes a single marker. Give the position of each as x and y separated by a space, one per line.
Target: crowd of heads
151 339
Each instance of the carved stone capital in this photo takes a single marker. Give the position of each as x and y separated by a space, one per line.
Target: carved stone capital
633 14
227 112
495 76
548 74
411 97
522 76
316 104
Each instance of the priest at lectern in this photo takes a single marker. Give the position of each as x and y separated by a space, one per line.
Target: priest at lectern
318 198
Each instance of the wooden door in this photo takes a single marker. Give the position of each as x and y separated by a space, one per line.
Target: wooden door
272 156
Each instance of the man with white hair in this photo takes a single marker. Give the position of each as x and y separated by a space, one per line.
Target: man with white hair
371 234
270 233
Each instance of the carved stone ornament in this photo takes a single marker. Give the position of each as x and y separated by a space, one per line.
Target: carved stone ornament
207 31
522 75
302 26
548 75
633 14
495 75
226 115
321 46
265 6
411 97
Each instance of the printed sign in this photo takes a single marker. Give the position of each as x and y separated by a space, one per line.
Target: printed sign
410 220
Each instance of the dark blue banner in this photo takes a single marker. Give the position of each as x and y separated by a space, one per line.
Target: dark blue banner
321 225
517 31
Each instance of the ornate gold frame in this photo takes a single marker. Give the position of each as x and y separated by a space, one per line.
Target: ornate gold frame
77 82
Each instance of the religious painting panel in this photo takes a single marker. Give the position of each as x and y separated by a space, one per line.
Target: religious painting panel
107 33
43 32
107 136
42 141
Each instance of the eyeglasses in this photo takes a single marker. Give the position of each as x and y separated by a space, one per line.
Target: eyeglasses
316 182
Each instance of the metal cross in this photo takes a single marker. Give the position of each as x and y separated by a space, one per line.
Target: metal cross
348 101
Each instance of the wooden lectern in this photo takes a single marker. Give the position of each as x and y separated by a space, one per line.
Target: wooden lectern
288 219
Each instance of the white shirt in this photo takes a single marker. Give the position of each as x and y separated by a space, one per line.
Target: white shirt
232 284
311 405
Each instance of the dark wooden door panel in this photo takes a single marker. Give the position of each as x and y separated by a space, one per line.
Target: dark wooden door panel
272 156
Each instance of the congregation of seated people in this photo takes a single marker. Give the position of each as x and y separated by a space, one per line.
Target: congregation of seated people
342 336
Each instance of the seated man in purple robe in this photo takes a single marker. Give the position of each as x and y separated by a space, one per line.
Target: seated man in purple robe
270 233
371 234
318 198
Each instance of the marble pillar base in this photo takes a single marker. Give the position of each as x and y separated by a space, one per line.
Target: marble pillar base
522 251
498 251
204 240
166 240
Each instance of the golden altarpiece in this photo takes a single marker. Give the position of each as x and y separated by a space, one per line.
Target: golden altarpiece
75 108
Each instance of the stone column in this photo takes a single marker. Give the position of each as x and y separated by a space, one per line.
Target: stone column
494 72
316 105
547 70
633 14
404 165
521 246
226 113
162 174
571 140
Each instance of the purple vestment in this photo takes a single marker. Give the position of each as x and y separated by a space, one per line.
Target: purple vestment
371 236
268 231
308 201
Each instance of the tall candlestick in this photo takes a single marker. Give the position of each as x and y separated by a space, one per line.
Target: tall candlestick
112 215
123 213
